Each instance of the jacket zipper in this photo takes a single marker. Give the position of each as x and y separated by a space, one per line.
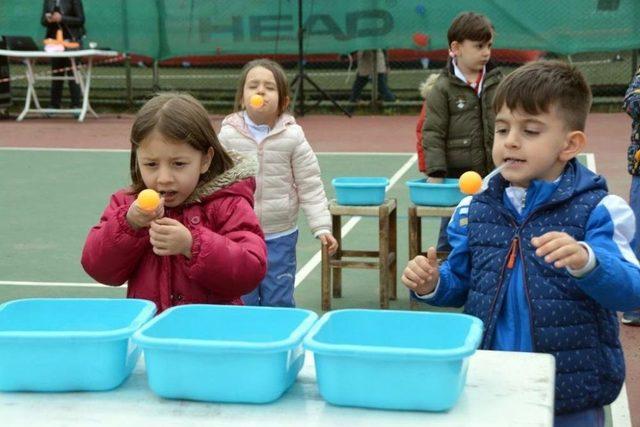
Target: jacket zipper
513 251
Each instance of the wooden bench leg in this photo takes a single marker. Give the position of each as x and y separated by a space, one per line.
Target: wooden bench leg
393 250
383 257
325 280
336 225
415 242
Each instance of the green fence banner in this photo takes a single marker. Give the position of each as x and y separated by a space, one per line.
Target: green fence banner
168 28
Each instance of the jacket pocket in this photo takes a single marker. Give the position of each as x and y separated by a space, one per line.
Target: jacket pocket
459 153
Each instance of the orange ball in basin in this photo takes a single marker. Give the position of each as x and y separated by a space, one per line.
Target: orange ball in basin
148 200
470 182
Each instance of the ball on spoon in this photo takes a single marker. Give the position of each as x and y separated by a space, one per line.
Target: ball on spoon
256 101
148 200
470 182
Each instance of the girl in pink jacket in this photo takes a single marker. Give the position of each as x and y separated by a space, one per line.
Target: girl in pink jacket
203 244
288 175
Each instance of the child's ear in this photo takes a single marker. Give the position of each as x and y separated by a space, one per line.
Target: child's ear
206 161
454 48
574 144
287 100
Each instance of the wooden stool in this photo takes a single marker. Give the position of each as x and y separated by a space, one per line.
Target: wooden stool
386 253
415 214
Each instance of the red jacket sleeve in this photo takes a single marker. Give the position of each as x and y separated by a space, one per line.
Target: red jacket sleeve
232 261
113 249
422 165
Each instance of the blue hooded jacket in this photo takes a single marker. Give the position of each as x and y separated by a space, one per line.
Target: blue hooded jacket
527 304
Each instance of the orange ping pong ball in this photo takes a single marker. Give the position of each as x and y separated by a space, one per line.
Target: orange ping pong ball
148 200
470 182
256 101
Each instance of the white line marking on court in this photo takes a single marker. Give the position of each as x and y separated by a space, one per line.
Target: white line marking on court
620 415
315 260
122 150
62 284
77 150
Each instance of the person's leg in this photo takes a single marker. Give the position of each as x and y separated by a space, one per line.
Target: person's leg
278 286
253 297
589 418
56 85
443 239
634 201
633 317
383 88
358 85
74 90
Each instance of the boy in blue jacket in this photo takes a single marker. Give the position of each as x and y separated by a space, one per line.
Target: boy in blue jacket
543 256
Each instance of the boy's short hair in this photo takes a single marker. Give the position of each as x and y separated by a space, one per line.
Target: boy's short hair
470 26
537 86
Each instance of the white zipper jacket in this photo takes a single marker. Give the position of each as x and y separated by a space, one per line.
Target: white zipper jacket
288 174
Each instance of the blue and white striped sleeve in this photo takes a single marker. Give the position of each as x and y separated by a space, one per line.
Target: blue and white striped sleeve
615 281
453 287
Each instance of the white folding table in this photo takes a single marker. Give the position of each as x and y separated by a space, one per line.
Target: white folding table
503 389
81 76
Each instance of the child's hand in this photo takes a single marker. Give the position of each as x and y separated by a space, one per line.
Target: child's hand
422 274
139 218
561 249
170 237
434 180
328 240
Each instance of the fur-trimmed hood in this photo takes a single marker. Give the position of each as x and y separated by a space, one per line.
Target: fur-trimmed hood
426 85
232 181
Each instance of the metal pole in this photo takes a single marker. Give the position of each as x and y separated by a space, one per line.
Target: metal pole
300 61
127 74
374 78
156 76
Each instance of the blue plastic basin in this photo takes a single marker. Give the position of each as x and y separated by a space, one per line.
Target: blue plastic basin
393 359
69 344
360 191
222 353
445 194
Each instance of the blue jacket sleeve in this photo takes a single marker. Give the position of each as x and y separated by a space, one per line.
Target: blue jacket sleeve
453 287
615 281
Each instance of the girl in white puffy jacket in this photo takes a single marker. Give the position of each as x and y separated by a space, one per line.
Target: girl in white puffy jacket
288 175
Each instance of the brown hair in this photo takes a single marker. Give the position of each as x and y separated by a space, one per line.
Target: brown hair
178 117
470 26
536 86
279 75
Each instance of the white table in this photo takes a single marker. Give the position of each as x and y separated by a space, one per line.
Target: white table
503 389
80 76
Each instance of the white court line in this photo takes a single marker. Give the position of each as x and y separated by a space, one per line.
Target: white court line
315 260
55 284
300 275
123 150
77 150
620 415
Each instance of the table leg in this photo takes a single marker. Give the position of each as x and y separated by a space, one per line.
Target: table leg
84 86
393 249
383 259
30 89
415 241
325 279
336 225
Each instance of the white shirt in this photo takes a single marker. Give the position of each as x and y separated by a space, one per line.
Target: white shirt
461 76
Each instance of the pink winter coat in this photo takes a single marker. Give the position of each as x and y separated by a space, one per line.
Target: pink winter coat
228 253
